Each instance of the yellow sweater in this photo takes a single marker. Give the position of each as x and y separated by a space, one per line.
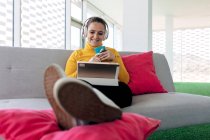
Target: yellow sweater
86 54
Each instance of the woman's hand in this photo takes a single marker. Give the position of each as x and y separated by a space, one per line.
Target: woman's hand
103 56
95 58
106 56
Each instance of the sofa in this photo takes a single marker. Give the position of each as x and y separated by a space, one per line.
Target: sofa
21 86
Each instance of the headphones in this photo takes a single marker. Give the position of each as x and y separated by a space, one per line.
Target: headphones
91 20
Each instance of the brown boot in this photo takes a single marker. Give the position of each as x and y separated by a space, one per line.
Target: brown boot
84 102
51 75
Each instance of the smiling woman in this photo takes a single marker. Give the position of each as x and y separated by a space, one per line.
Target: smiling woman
95 30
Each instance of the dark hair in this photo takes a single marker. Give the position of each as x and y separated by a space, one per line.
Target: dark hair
95 19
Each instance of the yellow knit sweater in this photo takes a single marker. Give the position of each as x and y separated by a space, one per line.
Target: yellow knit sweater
86 54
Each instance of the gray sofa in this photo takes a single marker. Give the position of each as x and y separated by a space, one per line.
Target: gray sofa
21 86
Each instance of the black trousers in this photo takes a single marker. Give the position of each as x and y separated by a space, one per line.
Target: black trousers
121 95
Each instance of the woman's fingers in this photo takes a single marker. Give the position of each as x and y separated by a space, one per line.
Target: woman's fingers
95 59
104 56
107 55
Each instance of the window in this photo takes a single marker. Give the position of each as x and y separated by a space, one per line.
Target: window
191 55
76 24
182 32
76 9
6 22
110 41
92 11
75 38
47 24
118 38
158 43
191 49
43 24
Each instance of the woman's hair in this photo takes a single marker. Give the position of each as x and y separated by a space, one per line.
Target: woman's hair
94 19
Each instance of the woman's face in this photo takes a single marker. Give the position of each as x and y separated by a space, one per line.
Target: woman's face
95 34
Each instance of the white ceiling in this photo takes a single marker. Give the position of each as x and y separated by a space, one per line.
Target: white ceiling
184 13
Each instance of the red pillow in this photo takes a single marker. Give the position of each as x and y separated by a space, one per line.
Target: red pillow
130 127
143 78
19 124
41 125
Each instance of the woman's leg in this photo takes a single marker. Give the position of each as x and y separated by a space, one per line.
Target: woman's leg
120 95
52 74
75 102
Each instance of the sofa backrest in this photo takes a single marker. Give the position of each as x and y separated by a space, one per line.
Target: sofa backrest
22 70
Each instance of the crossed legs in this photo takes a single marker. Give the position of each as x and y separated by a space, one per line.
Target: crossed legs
75 102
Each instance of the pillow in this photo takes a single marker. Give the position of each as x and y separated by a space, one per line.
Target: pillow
130 127
143 78
19 124
16 124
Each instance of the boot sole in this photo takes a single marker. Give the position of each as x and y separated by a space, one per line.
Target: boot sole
80 100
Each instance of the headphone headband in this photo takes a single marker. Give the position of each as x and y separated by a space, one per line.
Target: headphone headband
94 19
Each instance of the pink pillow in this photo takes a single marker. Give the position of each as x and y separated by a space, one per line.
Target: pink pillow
130 127
19 124
41 125
143 78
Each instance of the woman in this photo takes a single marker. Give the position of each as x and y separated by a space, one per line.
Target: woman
78 101
95 30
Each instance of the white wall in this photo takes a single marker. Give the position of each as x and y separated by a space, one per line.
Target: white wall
137 25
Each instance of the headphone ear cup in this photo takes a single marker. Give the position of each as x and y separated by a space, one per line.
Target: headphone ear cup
105 36
84 32
106 33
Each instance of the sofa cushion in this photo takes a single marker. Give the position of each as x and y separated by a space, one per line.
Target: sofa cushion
23 124
143 78
25 103
173 109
